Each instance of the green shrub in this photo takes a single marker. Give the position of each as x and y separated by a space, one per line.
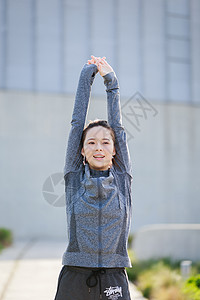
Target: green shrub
192 287
6 238
171 293
140 266
159 282
161 279
196 268
130 240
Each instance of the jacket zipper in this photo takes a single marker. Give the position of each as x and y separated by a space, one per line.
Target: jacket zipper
99 229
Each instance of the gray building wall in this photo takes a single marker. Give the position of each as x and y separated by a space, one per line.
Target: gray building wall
154 47
34 131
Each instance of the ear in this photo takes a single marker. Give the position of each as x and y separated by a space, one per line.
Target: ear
82 152
114 152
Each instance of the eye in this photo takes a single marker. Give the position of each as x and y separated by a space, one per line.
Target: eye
106 142
91 143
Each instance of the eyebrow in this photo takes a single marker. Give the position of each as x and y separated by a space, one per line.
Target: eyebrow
95 138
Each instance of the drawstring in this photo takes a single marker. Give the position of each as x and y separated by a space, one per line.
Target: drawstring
95 275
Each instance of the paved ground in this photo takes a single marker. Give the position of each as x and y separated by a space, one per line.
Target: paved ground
29 270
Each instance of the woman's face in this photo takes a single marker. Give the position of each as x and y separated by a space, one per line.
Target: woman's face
98 148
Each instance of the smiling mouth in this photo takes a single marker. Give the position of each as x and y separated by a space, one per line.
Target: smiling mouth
98 157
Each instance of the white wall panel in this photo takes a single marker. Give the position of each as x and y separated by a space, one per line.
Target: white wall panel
153 50
2 42
178 27
129 54
178 85
76 41
18 68
179 49
178 6
45 43
178 52
48 46
103 35
195 49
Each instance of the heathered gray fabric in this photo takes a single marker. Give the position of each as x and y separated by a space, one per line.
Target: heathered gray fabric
98 203
111 284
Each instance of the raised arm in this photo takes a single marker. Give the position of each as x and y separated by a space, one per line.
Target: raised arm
122 157
73 157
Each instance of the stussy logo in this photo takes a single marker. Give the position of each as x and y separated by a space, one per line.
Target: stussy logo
113 293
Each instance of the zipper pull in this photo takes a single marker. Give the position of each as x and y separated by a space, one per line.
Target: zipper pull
89 290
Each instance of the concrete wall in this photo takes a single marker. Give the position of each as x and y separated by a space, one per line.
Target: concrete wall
153 45
154 48
164 147
177 241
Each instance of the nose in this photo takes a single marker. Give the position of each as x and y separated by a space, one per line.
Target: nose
98 146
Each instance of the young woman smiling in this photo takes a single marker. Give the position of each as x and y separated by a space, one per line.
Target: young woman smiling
98 176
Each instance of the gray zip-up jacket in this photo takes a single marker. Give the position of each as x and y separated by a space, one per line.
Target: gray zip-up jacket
98 203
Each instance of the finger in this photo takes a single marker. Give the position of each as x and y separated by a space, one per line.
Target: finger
97 61
106 63
93 57
97 58
102 61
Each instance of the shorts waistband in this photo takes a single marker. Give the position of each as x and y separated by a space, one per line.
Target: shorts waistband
87 270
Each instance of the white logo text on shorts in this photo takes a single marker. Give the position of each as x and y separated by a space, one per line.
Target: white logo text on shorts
113 293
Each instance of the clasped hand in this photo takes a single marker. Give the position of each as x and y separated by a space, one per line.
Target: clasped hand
102 65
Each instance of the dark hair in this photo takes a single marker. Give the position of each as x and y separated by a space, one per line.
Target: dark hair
94 123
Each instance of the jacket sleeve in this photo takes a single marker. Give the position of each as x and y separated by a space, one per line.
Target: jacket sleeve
73 157
122 157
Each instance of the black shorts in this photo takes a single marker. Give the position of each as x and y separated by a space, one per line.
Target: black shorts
77 283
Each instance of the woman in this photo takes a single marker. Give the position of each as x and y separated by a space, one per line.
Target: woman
98 178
